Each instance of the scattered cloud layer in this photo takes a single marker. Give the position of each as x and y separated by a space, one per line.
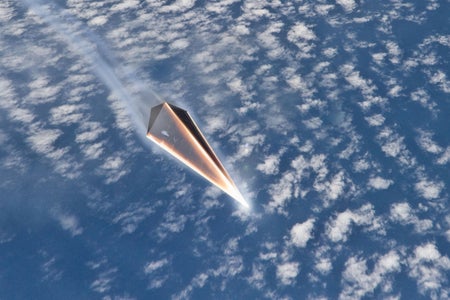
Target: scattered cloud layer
327 113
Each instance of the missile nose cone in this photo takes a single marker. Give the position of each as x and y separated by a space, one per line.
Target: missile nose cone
239 198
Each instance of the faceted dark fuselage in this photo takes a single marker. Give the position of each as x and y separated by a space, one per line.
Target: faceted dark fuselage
173 129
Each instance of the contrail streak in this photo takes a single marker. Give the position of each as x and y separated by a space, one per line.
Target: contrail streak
88 46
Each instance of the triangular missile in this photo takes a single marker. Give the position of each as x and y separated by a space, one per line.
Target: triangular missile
173 129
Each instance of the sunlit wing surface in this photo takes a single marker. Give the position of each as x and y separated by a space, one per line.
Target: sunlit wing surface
173 129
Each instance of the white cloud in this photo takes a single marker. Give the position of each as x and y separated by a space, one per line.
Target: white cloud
98 20
93 151
172 223
7 93
300 31
125 5
132 216
220 7
379 183
22 115
287 272
42 91
366 87
197 282
302 37
301 233
323 265
361 165
447 235
51 272
358 282
333 188
104 281
440 78
313 123
287 186
155 265
257 277
178 6
234 266
422 225
393 145
89 132
426 142
429 268
248 144
179 44
158 281
339 229
323 9
270 165
394 52
268 255
401 212
375 120
7 12
122 117
318 164
378 57
282 191
429 189
395 91
330 52
404 214
296 82
347 5
236 85
67 114
42 140
69 223
422 96
113 168
445 157
365 217
255 10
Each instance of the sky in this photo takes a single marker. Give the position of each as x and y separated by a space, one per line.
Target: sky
330 116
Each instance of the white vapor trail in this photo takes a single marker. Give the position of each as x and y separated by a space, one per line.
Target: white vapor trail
81 40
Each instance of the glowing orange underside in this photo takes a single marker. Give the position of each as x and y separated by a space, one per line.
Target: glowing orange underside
211 171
